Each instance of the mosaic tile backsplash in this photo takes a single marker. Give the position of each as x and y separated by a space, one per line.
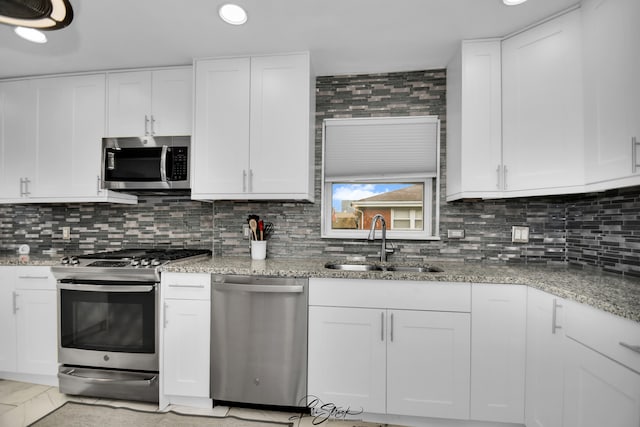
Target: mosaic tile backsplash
600 229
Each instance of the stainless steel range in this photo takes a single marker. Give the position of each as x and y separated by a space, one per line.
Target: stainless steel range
108 310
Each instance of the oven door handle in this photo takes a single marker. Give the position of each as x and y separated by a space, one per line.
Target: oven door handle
145 382
104 288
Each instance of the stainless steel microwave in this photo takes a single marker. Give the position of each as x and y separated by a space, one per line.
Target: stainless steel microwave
146 163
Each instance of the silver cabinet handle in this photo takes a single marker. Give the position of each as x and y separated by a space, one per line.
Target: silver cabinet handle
186 286
146 125
634 348
634 154
24 187
98 189
391 327
554 316
382 326
152 127
250 180
498 177
21 187
15 302
504 177
166 307
163 163
33 277
244 180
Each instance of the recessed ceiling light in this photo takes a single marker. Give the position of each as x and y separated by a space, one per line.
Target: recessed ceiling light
232 14
31 34
513 2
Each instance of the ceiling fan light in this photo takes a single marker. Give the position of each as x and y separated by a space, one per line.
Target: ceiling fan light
513 2
232 14
31 34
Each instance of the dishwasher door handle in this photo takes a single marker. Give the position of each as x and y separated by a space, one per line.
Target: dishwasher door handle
241 287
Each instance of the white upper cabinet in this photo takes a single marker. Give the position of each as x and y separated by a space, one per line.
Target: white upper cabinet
474 116
253 136
612 92
17 145
157 102
50 139
542 109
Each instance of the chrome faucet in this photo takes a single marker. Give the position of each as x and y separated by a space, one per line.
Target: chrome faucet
372 235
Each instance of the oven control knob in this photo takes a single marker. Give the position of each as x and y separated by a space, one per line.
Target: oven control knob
74 260
135 262
155 262
64 260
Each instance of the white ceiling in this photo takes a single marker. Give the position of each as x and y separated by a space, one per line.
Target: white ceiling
343 36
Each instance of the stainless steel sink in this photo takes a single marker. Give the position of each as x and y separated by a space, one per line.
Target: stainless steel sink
414 269
374 267
353 267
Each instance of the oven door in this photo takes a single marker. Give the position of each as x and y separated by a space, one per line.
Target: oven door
108 324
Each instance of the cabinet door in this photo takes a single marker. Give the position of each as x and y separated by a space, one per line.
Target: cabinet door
280 130
7 319
542 108
428 364
474 128
37 332
129 98
545 359
220 155
186 347
498 322
347 361
612 89
171 102
598 391
69 127
17 147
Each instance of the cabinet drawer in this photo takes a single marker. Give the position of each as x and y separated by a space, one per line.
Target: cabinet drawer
35 278
196 286
398 294
604 332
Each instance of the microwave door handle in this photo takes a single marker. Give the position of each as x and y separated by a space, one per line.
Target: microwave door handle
163 163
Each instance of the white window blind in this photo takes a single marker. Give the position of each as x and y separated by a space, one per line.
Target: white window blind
374 148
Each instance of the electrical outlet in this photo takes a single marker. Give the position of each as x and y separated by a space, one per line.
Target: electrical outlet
455 234
519 234
246 231
66 233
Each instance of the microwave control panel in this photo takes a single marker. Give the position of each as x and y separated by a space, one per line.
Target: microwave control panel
179 171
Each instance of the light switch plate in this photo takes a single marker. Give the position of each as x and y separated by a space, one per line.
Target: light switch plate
455 234
520 234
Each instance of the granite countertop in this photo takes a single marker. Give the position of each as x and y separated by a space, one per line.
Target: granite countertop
609 292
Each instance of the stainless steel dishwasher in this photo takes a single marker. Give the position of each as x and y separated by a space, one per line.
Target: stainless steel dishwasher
259 340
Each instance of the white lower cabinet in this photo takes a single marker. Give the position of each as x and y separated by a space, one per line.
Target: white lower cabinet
386 356
29 324
545 359
602 365
498 347
186 314
599 391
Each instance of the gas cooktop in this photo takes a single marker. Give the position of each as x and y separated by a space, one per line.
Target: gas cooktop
122 265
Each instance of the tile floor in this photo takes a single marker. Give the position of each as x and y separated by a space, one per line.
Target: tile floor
23 403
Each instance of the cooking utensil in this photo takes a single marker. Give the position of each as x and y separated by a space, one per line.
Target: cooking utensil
254 226
261 229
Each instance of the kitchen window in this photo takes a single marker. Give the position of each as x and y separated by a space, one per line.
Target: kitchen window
387 166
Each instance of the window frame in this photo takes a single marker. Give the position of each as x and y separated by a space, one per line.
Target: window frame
430 210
